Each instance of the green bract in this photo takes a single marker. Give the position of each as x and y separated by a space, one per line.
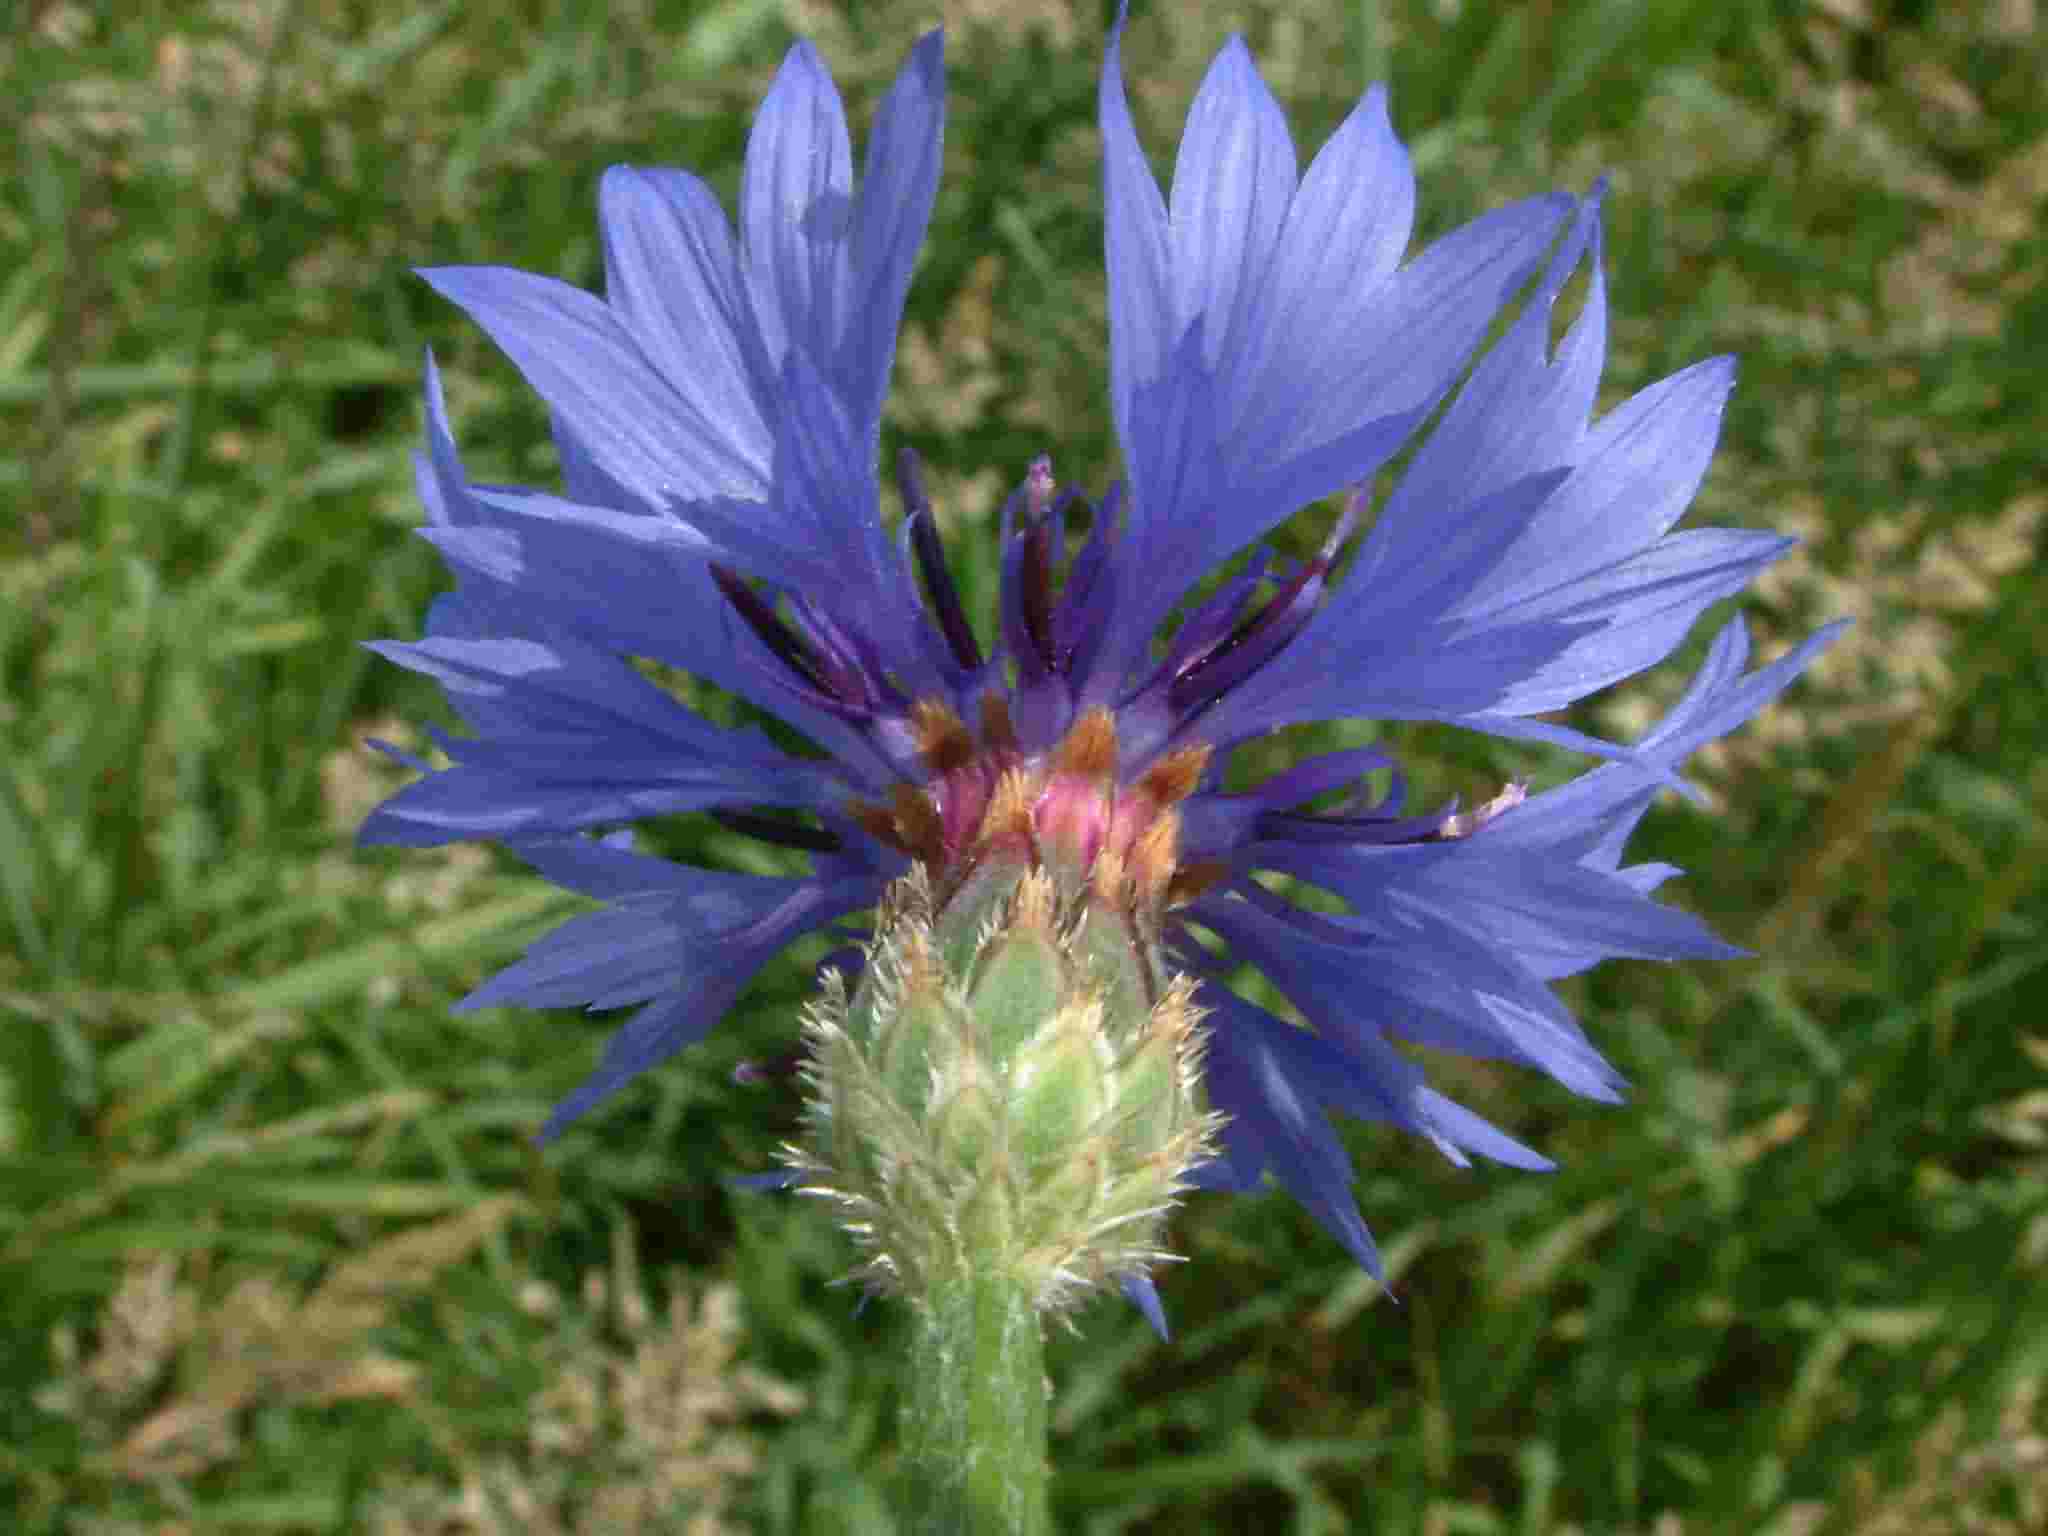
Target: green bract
998 1092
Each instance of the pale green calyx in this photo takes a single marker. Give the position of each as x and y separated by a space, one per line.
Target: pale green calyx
999 1095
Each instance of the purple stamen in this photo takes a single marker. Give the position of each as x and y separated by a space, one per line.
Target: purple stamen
773 1069
1037 570
778 831
843 656
939 586
1084 609
1258 639
769 628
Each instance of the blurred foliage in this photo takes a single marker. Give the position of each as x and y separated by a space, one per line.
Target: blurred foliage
275 1251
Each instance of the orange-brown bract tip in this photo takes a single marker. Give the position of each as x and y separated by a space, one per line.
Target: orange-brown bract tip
877 822
1007 822
910 824
1191 880
1035 904
998 733
1175 776
1152 861
1088 750
919 831
1110 880
942 737
922 971
1177 1014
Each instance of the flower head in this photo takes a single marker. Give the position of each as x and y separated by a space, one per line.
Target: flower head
1272 344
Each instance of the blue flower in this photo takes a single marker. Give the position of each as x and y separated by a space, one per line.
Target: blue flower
717 415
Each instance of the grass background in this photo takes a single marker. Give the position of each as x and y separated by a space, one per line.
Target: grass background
275 1253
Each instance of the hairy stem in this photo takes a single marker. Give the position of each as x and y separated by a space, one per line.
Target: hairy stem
975 1410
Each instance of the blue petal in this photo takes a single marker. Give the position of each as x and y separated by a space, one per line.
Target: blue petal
556 682
1521 902
1232 183
821 500
1633 475
1349 224
1141 313
779 1178
659 1030
1630 615
1521 413
673 277
1538 907
826 499
1599 808
576 738
635 586
465 802
899 180
1255 368
1525 560
1448 991
1141 1293
584 363
1263 1074
1383 647
1331 982
685 940
1721 698
796 201
586 480
443 488
1340 386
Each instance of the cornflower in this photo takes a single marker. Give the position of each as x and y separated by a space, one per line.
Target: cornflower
717 416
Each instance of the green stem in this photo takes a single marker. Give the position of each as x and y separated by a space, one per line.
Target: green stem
975 1411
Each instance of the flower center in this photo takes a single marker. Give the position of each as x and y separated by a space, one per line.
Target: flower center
1062 810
